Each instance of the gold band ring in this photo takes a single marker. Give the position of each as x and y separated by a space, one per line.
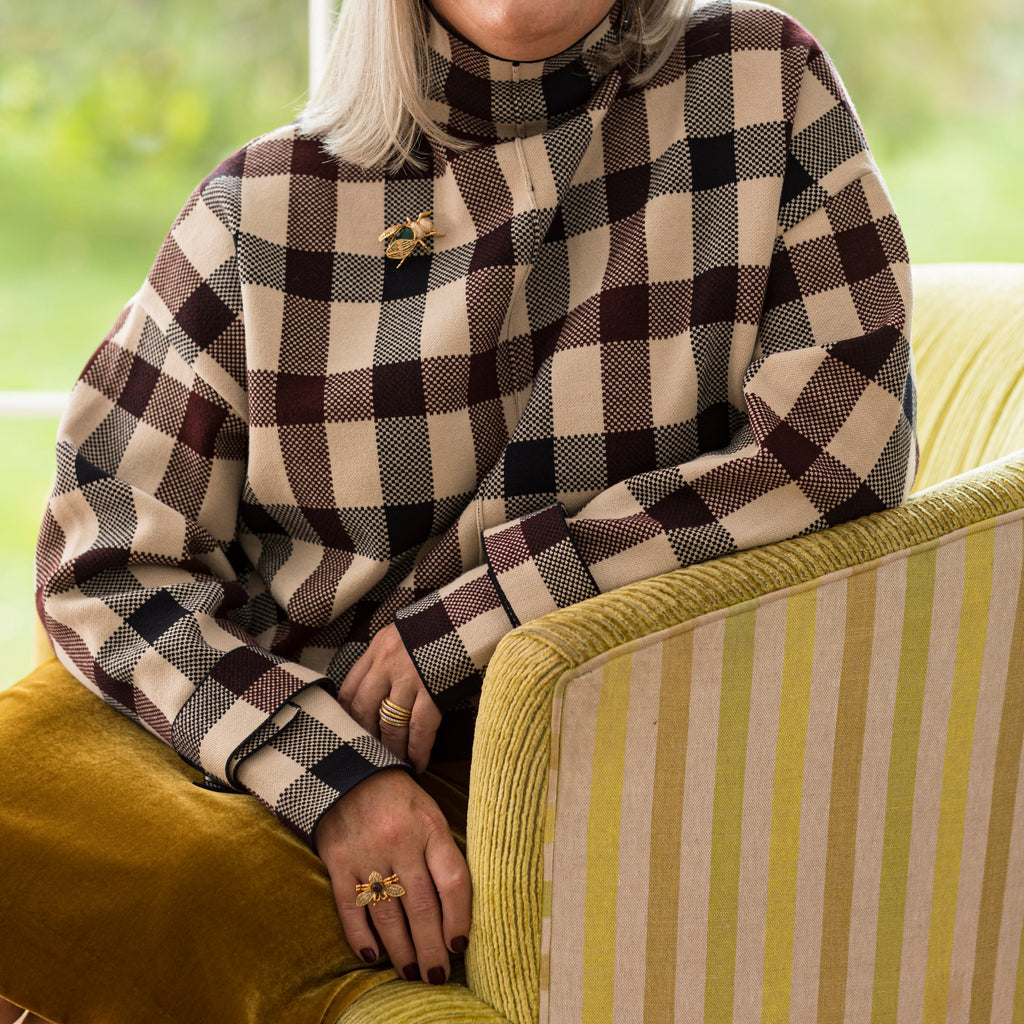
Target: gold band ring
378 888
393 714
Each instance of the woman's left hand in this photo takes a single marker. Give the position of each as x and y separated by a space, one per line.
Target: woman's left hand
386 670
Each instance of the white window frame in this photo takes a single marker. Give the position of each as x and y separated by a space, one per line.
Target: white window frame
321 25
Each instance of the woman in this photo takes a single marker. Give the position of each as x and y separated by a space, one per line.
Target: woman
536 300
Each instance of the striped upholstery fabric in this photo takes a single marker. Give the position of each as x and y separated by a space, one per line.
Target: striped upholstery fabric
831 826
779 786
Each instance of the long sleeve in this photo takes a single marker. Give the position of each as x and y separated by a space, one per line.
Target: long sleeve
144 586
820 431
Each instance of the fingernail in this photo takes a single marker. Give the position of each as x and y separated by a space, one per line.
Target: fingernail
436 976
459 944
411 972
369 955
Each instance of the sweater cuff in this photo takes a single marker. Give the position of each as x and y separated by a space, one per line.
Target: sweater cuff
451 634
536 566
302 771
532 568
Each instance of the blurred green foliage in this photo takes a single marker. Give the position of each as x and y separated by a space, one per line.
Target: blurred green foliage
939 86
916 68
100 84
111 112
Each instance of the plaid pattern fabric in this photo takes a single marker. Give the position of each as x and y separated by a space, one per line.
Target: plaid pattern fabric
803 807
661 324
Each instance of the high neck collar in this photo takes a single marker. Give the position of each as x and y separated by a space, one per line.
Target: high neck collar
475 95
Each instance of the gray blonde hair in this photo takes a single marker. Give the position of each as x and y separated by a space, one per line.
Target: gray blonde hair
370 105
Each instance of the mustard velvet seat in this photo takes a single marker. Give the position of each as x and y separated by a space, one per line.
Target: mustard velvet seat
782 785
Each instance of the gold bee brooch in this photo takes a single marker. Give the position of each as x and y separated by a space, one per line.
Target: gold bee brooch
402 239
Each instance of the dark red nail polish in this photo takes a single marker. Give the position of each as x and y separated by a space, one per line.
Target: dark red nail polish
436 976
369 955
459 944
411 972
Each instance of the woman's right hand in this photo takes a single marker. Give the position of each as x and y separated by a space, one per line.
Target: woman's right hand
389 824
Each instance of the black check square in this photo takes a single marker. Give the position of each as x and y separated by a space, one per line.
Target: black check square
713 161
159 613
408 525
530 467
204 316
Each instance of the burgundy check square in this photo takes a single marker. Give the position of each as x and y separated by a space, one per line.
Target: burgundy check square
299 399
793 451
398 390
201 425
627 191
138 389
309 274
307 157
683 510
629 452
715 296
861 252
204 316
624 313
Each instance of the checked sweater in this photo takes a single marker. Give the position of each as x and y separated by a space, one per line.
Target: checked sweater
658 324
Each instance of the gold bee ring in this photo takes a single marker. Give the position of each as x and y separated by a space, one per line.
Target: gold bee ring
394 714
377 889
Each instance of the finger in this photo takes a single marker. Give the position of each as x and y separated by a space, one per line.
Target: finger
422 915
350 684
450 873
365 706
363 703
395 738
396 715
358 932
423 726
389 921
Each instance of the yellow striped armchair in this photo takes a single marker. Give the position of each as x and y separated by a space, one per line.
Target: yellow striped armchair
780 786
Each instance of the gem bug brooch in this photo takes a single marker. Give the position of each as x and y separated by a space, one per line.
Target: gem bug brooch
402 239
